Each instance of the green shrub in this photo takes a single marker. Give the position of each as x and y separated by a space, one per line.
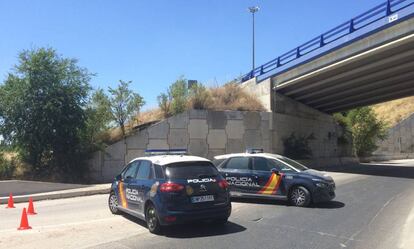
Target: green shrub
200 97
7 168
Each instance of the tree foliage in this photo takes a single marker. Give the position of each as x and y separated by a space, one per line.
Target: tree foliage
365 127
124 104
98 120
175 100
42 108
164 103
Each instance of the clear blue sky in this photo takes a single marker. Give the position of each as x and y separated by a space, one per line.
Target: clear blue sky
153 42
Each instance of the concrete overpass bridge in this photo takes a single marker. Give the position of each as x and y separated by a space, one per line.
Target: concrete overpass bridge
366 60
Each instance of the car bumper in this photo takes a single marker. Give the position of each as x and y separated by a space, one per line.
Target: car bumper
323 194
194 215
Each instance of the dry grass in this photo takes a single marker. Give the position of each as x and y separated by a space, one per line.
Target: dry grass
115 134
228 97
395 111
149 116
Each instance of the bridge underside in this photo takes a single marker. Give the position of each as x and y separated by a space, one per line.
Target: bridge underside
380 74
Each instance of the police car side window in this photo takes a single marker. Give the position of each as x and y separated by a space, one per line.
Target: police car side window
158 171
131 170
280 166
144 170
262 164
238 163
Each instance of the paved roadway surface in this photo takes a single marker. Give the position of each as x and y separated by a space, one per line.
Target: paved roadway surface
32 187
372 210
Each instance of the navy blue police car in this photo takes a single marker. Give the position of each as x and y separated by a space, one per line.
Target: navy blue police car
257 174
167 188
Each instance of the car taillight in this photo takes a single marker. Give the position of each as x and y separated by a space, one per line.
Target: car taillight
223 184
171 187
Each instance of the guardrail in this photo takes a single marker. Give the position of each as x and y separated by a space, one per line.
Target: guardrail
383 10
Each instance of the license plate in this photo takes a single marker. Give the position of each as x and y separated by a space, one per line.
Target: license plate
204 198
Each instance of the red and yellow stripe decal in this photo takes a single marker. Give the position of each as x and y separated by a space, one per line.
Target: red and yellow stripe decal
122 195
272 185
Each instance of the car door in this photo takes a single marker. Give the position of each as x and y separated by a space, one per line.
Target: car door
269 182
237 172
125 185
143 184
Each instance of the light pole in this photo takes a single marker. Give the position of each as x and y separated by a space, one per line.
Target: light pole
253 10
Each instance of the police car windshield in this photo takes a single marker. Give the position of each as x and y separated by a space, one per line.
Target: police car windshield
293 163
186 170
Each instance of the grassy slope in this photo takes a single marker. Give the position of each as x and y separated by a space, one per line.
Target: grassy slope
394 111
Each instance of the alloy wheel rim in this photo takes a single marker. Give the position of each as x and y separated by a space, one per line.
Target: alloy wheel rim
151 218
113 203
298 197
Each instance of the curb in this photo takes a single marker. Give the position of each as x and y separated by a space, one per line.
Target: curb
93 190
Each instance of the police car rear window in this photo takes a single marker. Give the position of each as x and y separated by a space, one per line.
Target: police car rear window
186 170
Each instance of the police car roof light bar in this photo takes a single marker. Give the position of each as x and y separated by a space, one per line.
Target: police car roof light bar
254 150
158 152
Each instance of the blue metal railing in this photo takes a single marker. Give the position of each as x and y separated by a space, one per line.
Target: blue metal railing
383 10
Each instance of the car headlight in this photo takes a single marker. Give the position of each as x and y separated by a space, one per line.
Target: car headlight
320 183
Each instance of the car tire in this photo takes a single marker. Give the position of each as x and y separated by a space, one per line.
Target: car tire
113 203
300 196
151 217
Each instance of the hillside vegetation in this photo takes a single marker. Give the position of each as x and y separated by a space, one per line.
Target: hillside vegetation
395 111
230 96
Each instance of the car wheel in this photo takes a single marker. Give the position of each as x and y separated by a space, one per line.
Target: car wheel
151 218
113 203
300 196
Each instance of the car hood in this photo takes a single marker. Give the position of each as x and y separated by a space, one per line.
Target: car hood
321 174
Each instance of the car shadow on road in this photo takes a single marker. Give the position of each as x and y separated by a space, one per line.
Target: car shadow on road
193 230
202 229
322 205
376 169
328 205
260 201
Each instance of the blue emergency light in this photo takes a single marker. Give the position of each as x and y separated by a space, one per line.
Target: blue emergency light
254 150
158 152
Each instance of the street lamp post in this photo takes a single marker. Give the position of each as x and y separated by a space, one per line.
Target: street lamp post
253 10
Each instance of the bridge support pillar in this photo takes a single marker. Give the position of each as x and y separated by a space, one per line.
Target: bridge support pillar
329 143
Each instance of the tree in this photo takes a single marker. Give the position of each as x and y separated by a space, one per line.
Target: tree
98 120
176 99
179 96
42 108
125 104
164 103
365 128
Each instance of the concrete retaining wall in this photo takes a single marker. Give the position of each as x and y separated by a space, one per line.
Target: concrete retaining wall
399 143
210 133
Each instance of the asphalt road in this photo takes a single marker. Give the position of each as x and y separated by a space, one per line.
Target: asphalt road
372 210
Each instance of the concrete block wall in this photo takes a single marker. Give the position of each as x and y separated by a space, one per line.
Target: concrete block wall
202 133
399 143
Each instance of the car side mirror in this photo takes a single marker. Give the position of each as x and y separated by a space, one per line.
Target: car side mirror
274 170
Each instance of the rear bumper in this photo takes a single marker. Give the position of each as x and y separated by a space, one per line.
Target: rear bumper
194 215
